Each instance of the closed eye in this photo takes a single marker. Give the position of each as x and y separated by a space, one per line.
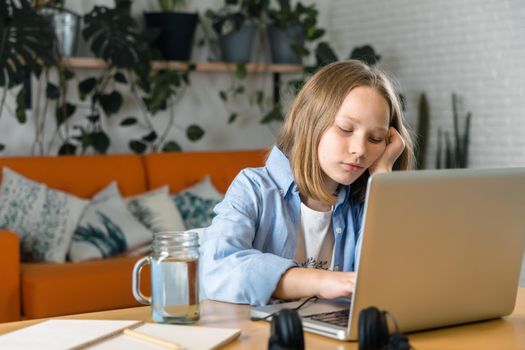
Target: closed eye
345 130
374 140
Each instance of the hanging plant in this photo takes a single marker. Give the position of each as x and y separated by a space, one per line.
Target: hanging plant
27 46
114 36
160 91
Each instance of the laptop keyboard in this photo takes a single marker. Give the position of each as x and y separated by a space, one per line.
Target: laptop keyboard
338 318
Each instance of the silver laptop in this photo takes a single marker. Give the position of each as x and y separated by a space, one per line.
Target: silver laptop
440 247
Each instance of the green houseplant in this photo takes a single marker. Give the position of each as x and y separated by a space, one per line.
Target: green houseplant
175 29
235 25
28 47
114 37
454 154
288 29
423 128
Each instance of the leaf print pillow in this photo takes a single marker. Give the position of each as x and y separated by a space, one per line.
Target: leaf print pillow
107 228
43 218
156 210
196 203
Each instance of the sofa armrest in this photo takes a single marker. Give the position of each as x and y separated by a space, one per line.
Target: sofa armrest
10 280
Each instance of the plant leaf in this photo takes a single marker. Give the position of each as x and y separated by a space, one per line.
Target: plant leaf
86 86
20 106
324 54
120 78
366 54
240 70
68 75
152 136
52 91
171 146
137 146
2 147
64 112
232 118
128 121
94 118
67 149
100 141
115 36
111 102
194 132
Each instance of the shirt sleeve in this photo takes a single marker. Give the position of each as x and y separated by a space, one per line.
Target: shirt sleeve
232 269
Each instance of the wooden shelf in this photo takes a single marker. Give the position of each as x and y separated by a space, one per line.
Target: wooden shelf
96 63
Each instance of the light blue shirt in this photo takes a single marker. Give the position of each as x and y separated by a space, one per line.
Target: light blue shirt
251 241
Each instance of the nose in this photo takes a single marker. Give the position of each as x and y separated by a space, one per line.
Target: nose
357 146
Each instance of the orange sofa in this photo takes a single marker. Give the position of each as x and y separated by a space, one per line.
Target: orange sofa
35 290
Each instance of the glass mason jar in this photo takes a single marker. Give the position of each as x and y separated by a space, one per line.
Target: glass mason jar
174 277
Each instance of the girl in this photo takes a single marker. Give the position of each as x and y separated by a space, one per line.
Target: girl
291 228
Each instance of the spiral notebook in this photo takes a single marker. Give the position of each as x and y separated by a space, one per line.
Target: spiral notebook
109 334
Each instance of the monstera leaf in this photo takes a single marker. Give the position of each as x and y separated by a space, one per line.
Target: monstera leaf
114 36
27 42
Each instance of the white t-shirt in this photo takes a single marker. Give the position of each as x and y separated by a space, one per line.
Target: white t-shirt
315 239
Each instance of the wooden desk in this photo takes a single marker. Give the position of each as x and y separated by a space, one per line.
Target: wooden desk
506 333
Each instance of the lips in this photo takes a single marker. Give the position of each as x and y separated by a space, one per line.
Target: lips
352 167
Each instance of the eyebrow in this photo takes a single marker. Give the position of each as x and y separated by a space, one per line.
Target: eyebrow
378 128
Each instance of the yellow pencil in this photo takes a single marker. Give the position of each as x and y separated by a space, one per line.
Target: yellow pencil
148 338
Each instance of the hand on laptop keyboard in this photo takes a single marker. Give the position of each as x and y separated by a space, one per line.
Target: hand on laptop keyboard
335 284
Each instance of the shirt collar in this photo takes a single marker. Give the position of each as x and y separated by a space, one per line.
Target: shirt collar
279 168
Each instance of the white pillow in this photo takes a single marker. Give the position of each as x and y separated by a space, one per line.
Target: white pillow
107 228
44 218
156 210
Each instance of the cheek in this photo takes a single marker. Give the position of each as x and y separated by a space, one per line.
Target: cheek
377 151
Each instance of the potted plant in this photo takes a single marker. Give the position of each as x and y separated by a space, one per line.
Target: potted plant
65 23
235 25
175 29
27 47
288 29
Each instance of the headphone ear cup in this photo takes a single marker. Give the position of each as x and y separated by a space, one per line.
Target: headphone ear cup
286 331
372 329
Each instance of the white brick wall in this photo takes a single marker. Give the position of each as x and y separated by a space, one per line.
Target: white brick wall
472 47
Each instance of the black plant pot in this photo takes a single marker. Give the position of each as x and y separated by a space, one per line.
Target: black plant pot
177 30
281 42
237 46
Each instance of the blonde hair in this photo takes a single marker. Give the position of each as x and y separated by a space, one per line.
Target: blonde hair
313 111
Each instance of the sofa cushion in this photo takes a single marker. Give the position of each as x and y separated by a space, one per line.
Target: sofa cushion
196 203
180 170
107 228
60 289
155 210
83 176
44 218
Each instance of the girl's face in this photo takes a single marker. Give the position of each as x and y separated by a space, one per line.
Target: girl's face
356 139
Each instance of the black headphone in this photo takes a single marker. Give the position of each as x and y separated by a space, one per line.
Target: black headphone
374 334
286 331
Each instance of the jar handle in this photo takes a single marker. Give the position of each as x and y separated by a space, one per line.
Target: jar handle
136 281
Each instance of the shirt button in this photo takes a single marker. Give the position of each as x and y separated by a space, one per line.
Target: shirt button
338 230
281 191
